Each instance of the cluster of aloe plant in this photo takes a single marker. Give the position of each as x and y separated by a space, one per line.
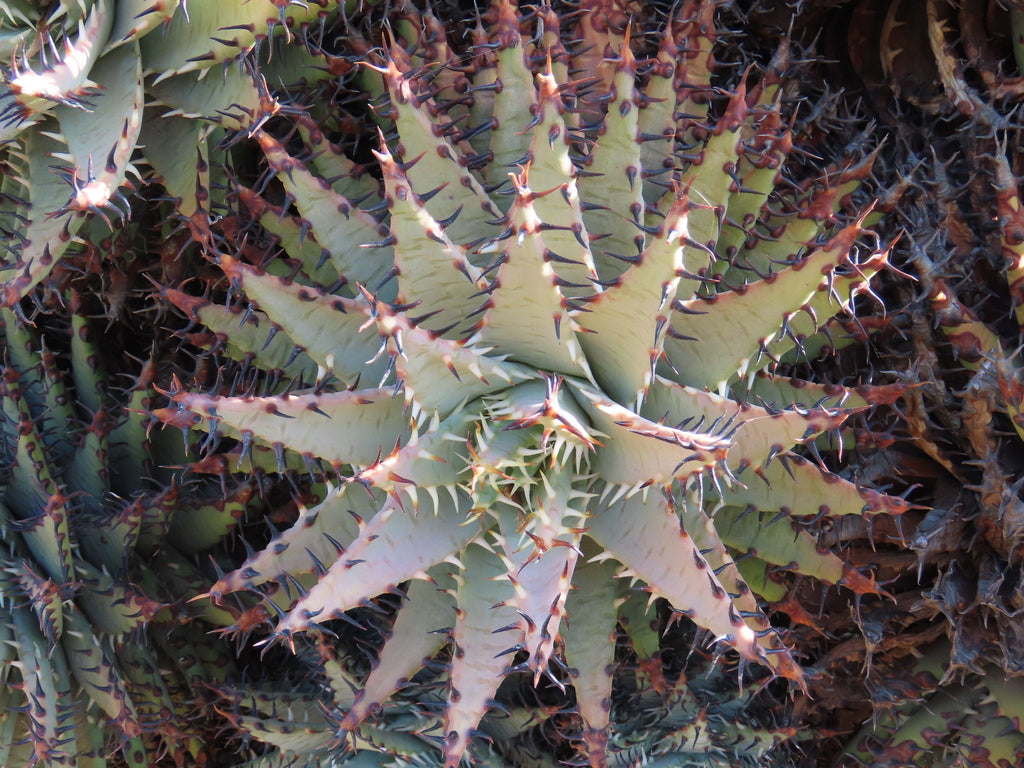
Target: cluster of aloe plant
101 662
939 664
528 367
531 370
932 719
99 89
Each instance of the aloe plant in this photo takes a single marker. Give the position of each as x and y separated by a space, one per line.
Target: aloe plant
99 95
102 93
959 344
101 661
535 365
933 719
698 719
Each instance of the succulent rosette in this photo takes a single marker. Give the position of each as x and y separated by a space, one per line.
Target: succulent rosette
534 358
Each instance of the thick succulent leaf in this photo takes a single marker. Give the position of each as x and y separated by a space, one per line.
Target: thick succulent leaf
757 434
589 637
395 546
776 542
310 541
552 174
86 474
746 322
168 140
93 752
349 427
541 577
514 99
593 39
483 595
484 65
431 163
430 34
300 725
48 539
245 335
36 248
46 687
391 741
434 274
341 227
635 451
628 319
133 19
236 98
112 608
133 451
642 532
86 367
13 746
255 458
333 331
418 633
102 139
93 667
66 81
197 658
196 526
528 318
638 620
707 537
41 383
307 261
291 722
149 689
109 536
842 285
364 758
615 190
557 504
800 487
346 177
759 174
656 122
777 240
758 576
709 181
32 491
45 597
201 34
434 457
428 365
989 740
20 17
781 392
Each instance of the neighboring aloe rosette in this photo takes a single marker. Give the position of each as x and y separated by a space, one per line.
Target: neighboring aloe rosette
297 714
698 719
99 87
97 545
532 367
929 716
964 417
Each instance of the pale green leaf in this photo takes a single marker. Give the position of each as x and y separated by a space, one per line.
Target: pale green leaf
642 532
348 427
393 547
480 659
